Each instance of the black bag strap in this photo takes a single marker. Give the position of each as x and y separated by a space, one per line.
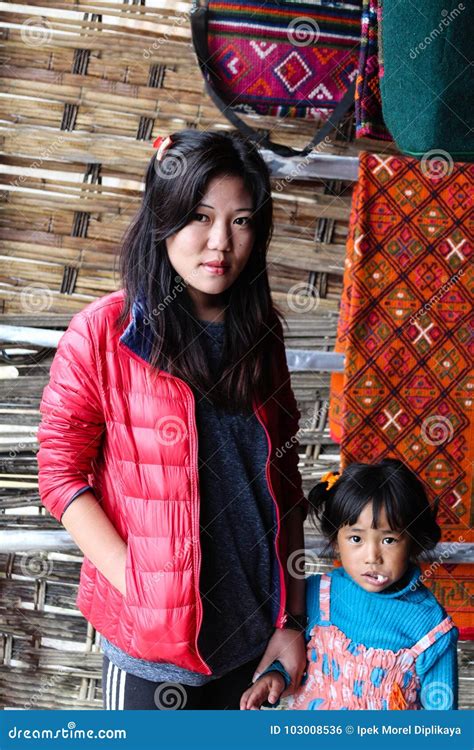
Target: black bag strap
199 20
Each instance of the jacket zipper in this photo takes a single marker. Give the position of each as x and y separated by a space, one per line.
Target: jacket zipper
196 547
282 617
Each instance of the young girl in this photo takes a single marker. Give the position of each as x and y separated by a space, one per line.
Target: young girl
166 407
377 638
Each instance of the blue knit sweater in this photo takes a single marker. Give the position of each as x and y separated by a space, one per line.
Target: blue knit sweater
393 620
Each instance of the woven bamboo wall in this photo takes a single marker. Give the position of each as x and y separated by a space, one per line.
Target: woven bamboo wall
87 87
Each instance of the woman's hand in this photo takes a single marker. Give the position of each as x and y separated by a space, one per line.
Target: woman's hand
98 539
289 647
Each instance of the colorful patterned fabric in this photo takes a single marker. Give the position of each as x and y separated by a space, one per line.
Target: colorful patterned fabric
288 59
368 102
404 328
344 674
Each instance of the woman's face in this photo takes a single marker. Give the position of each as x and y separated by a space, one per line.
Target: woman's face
212 250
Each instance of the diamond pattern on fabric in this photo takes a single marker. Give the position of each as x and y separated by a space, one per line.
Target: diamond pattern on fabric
406 331
261 60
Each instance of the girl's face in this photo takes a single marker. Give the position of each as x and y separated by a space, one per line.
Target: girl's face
211 251
374 558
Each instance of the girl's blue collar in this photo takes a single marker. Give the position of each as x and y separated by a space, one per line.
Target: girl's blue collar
411 582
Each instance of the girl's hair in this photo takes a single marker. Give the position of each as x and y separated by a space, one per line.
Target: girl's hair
390 485
173 189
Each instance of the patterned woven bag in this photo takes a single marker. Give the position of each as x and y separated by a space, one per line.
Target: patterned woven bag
290 59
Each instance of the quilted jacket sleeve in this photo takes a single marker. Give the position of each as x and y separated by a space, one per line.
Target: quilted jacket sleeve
72 425
286 457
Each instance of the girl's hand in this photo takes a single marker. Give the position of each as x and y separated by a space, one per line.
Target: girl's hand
266 688
289 647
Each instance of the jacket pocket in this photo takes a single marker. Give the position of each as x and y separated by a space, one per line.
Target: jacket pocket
133 595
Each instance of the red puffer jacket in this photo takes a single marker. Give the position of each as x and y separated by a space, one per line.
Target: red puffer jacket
107 425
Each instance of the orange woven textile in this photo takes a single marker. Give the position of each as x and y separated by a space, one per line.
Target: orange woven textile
406 311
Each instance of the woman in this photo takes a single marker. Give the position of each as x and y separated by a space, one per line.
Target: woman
167 443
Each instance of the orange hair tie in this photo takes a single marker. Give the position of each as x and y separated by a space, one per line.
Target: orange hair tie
331 478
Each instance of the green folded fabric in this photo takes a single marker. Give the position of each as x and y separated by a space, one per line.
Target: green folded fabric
427 76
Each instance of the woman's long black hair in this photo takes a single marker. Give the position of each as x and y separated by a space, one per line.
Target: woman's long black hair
173 190
389 484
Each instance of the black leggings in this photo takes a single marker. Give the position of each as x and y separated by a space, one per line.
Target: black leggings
122 690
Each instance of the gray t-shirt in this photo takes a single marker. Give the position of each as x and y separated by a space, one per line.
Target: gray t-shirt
239 581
